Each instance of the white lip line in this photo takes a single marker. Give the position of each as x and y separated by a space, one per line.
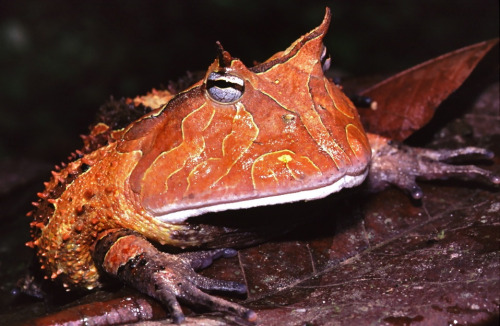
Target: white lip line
347 181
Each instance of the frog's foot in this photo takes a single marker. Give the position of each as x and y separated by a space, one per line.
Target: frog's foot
169 278
400 165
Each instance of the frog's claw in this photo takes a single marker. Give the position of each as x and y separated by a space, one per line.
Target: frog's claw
400 165
169 278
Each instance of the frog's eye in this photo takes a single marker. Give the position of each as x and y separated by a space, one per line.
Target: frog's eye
224 88
325 59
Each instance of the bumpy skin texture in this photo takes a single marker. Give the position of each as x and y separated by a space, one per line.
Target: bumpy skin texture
277 132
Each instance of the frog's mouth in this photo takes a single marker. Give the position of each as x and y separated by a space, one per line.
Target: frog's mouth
347 181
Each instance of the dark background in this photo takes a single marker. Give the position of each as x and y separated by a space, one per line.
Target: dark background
60 60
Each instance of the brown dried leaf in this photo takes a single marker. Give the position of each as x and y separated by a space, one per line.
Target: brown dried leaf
407 101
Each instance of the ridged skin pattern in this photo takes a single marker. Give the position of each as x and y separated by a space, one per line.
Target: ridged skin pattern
240 137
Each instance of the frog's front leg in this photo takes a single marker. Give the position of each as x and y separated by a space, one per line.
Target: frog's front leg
400 165
129 257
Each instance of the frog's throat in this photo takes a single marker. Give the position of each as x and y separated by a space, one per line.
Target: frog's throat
347 181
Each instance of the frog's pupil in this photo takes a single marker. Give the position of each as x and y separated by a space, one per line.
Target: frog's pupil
224 84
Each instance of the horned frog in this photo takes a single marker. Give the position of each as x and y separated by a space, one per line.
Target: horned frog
241 137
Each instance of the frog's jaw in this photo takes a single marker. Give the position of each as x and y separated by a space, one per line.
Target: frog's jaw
348 181
276 133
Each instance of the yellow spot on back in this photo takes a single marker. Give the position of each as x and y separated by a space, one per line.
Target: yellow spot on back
285 158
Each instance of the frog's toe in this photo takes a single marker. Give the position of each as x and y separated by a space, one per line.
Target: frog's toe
410 186
177 284
191 294
400 165
465 153
208 284
438 168
173 305
203 259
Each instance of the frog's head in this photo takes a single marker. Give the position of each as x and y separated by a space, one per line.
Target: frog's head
241 137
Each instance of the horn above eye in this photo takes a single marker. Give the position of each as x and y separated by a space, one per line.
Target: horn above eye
224 88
